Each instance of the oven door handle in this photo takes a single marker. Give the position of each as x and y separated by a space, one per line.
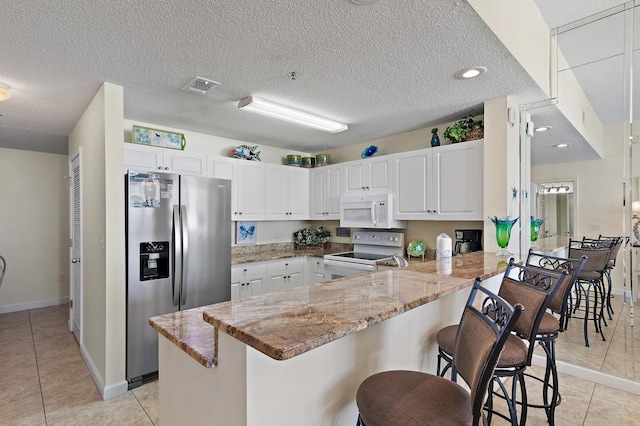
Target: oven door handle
373 213
352 265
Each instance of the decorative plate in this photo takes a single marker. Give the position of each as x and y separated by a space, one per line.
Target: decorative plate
416 248
369 152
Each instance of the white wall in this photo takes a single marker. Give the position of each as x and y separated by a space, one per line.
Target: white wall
34 229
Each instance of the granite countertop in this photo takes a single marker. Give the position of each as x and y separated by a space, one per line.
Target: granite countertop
265 252
285 324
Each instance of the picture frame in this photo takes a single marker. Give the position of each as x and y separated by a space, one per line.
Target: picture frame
156 137
246 232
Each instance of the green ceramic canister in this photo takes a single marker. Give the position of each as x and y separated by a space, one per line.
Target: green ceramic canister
294 160
323 160
308 162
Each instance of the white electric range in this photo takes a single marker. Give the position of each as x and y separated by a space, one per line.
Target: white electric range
369 248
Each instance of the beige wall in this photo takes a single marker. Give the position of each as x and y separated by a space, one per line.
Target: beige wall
34 229
599 188
216 145
98 135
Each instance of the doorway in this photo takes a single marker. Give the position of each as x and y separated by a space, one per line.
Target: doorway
75 249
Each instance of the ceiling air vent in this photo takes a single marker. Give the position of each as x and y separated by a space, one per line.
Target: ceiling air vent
200 85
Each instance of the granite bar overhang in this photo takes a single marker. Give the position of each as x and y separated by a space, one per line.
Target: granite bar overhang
285 324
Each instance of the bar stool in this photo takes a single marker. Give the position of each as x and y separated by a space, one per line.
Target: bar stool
533 288
414 398
550 326
619 242
590 278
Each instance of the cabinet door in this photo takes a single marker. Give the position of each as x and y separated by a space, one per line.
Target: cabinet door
235 290
355 181
333 192
143 158
316 188
276 186
413 185
315 270
325 192
185 162
250 191
459 177
379 174
298 194
224 168
294 279
276 281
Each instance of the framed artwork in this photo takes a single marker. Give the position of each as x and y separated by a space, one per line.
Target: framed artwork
246 232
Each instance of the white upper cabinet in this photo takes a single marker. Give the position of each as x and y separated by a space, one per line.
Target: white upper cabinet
413 189
371 175
151 158
459 177
286 192
325 192
442 183
249 191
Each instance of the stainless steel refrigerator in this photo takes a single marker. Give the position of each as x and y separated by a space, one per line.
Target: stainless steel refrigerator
178 255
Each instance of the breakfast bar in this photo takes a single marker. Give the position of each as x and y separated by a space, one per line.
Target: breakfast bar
297 356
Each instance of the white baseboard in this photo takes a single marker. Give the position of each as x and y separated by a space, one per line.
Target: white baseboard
599 377
107 392
5 309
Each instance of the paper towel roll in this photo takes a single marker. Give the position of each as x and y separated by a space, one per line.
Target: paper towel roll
443 246
443 266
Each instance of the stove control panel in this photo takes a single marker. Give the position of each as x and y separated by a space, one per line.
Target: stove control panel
378 238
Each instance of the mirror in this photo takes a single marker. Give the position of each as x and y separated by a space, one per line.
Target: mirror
555 202
598 53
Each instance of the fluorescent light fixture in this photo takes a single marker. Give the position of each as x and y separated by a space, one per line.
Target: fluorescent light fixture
260 106
562 145
470 72
542 128
4 92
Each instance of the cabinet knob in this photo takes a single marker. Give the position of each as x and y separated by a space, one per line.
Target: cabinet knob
362 187
166 168
159 167
240 213
245 270
235 212
367 187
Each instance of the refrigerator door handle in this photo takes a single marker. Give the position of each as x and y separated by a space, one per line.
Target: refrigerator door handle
185 255
177 255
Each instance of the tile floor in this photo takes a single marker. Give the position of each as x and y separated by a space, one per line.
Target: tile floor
619 354
44 381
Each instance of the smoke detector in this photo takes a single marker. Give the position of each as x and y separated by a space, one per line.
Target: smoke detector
200 85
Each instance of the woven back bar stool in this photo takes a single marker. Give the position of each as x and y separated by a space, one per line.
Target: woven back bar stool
551 326
590 281
619 243
413 398
533 288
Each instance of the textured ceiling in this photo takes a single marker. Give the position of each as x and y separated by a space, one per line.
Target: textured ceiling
383 69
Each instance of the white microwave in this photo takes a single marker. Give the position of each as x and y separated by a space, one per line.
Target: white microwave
374 211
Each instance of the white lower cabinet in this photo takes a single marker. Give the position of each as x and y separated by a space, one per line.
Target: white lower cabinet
315 270
285 273
248 279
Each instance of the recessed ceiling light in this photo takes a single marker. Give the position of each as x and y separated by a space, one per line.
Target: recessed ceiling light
543 128
471 72
562 145
4 92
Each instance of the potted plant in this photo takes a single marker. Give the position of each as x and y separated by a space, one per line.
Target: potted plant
311 237
466 129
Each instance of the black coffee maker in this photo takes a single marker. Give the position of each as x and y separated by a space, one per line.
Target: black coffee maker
468 240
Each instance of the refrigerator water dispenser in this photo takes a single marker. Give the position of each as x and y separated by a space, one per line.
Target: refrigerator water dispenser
154 260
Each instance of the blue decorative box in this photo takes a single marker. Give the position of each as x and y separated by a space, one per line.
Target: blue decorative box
155 137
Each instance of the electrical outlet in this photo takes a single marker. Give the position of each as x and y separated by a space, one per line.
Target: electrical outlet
595 227
60 277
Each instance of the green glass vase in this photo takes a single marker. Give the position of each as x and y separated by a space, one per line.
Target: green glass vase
535 230
503 234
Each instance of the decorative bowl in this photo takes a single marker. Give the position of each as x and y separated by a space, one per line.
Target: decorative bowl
416 248
370 151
